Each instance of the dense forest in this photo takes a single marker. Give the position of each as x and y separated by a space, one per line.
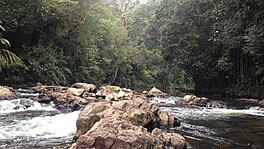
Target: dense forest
211 46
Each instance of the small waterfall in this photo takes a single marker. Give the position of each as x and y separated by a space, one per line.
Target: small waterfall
23 104
25 93
166 101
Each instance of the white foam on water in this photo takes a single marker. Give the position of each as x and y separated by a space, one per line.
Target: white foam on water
60 125
212 113
215 110
170 100
28 94
10 106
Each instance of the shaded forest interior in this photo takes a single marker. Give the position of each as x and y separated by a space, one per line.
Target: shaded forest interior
211 46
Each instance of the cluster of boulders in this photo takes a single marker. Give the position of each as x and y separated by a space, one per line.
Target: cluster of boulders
72 97
115 117
126 124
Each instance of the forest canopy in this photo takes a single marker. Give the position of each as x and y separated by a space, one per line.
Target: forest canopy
211 46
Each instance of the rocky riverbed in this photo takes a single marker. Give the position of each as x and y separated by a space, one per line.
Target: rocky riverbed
112 117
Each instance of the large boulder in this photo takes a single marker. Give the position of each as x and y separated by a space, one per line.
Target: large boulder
154 92
118 133
87 87
137 111
6 93
194 100
75 91
168 140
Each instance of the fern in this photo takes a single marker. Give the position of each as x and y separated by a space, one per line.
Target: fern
8 58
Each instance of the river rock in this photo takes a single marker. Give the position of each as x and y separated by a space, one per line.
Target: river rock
6 93
248 100
154 92
49 89
137 111
42 98
168 140
261 103
194 100
87 87
75 91
26 103
114 93
117 133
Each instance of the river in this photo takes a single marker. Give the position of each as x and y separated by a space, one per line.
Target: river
222 124
225 124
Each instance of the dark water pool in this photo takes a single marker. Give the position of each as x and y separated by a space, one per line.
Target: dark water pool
226 124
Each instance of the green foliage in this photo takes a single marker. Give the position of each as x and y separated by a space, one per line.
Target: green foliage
211 45
219 44
7 58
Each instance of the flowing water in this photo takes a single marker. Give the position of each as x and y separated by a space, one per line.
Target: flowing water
222 124
28 124
25 123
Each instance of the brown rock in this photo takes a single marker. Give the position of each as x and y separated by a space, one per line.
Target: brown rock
154 92
114 93
75 91
59 97
171 140
137 111
261 103
194 100
89 116
48 89
118 133
87 87
69 97
6 94
43 98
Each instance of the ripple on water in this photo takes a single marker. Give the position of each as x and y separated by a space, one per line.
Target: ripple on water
218 125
